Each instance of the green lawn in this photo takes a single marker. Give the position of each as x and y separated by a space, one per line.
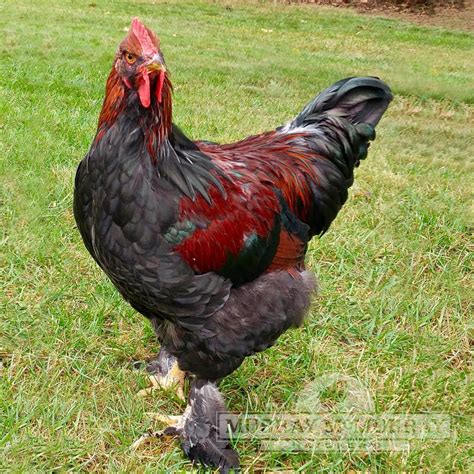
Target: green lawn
394 268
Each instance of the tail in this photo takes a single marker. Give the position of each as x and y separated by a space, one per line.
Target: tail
337 127
356 99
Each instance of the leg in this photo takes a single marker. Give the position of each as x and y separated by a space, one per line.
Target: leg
165 374
201 438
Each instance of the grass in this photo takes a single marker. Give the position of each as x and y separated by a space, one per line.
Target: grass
394 268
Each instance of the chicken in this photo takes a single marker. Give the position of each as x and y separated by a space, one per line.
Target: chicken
208 241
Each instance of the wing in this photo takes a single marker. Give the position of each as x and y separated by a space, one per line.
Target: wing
308 182
235 234
244 226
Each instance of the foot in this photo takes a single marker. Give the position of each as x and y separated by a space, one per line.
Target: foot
158 382
172 423
165 374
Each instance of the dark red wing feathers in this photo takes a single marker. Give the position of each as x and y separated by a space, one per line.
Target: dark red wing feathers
223 228
259 168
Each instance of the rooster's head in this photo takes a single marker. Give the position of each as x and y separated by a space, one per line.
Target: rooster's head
140 64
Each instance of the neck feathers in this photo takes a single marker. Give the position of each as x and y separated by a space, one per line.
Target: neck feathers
155 121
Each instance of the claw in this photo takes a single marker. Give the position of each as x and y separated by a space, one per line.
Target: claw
146 438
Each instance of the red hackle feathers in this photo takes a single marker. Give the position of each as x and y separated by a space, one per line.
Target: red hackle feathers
113 103
279 158
163 109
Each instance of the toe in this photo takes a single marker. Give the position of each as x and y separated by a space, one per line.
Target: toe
169 420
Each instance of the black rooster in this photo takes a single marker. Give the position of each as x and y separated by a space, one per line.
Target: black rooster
206 240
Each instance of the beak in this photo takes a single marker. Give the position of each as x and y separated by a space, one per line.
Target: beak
156 64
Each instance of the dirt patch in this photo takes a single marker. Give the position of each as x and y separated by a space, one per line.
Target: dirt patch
450 14
445 17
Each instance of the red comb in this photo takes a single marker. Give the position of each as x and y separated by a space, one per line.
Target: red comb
143 37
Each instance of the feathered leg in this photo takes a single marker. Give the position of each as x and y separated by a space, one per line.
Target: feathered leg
198 429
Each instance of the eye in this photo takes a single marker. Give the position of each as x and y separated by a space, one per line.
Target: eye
130 58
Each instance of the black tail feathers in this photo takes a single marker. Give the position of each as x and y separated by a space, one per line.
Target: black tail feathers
360 100
339 124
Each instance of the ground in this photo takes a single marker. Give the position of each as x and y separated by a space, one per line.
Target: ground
395 269
446 16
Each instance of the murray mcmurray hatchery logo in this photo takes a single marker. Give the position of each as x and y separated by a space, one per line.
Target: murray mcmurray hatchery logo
336 412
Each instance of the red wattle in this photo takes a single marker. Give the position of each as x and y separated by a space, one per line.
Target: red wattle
159 86
144 90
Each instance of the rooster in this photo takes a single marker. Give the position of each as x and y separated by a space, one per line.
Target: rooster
206 240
